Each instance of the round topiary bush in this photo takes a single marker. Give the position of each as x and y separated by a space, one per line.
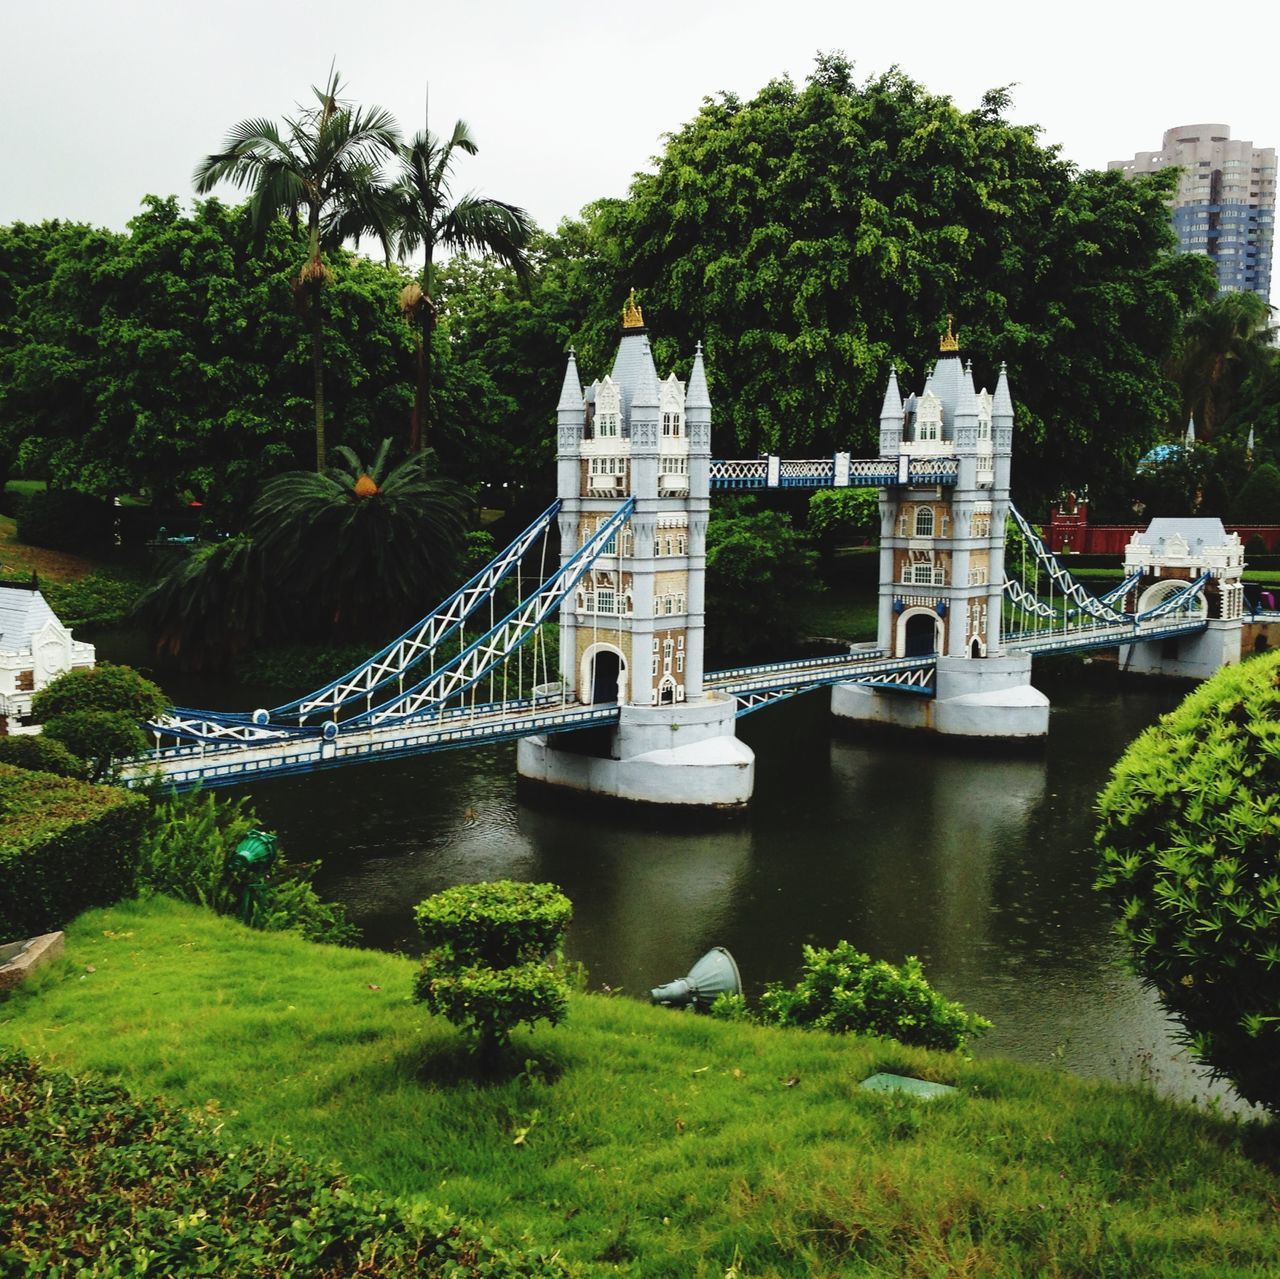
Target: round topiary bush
1190 848
486 966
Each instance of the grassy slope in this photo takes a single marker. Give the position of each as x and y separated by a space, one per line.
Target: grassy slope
651 1143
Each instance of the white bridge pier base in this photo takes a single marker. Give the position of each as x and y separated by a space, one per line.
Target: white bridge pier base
681 756
1188 656
988 697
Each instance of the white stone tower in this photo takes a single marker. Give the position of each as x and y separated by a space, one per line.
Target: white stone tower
942 546
633 632
942 558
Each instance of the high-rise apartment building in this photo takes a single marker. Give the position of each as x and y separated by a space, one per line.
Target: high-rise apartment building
1225 206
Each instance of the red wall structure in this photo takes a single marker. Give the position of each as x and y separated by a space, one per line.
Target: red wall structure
1070 532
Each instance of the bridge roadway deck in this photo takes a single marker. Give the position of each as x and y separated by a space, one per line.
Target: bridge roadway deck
227 764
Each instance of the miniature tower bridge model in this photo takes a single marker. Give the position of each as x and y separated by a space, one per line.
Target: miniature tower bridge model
633 715
632 632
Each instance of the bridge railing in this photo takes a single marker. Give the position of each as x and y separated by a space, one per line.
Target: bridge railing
838 471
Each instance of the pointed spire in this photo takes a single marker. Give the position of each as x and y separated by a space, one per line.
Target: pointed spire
1190 438
645 392
571 391
967 400
892 406
696 395
1001 401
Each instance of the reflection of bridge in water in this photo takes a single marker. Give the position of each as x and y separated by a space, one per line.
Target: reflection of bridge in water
624 707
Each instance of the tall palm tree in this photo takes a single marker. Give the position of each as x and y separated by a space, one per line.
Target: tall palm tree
325 163
429 219
1222 343
361 548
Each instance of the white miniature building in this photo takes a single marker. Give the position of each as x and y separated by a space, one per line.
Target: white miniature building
1171 553
35 648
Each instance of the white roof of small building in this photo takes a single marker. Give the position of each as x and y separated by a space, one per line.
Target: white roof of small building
23 613
1198 534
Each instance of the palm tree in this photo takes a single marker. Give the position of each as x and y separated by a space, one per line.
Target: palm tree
326 163
1222 343
361 548
427 220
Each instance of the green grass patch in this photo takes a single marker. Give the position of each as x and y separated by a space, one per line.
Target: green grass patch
839 613
649 1143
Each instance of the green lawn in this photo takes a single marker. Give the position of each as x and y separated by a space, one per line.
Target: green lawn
649 1143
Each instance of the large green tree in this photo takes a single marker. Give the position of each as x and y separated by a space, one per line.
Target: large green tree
324 167
810 235
165 359
429 219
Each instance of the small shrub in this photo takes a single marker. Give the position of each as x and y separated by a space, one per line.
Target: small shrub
844 991
486 968
42 755
64 846
1255 546
1190 847
97 1182
95 713
183 853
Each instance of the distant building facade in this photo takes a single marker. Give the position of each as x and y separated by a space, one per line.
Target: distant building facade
35 648
1225 206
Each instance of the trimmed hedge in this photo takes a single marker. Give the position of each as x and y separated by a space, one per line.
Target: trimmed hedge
98 1182
64 846
64 520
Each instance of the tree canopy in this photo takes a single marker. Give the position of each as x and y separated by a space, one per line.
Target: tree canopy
810 235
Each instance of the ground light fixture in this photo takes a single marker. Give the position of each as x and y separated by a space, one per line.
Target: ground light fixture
714 974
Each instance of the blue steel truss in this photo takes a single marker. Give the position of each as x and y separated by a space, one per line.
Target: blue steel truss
756 687
391 663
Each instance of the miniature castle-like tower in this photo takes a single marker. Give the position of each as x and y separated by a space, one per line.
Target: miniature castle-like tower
634 632
942 548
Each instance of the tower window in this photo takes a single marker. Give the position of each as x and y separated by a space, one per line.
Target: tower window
924 521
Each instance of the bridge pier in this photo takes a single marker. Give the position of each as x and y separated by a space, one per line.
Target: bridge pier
990 697
1188 656
675 756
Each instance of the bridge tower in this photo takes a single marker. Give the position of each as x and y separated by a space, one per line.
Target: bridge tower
633 633
942 561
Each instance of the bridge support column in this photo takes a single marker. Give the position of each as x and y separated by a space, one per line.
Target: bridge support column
1187 656
989 697
685 756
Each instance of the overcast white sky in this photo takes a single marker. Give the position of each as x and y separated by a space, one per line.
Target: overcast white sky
108 100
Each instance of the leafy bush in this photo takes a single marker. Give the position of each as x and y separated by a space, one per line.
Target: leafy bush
95 713
1258 502
844 991
1254 547
1190 847
90 1172
184 851
100 599
755 560
486 968
64 846
839 516
42 755
64 520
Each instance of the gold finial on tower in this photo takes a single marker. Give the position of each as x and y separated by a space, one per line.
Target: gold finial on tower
949 342
631 315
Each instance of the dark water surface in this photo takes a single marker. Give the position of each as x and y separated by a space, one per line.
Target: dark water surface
981 865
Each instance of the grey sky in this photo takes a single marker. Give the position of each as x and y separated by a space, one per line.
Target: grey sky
108 100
